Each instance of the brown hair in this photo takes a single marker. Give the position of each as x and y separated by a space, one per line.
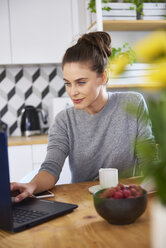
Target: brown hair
92 47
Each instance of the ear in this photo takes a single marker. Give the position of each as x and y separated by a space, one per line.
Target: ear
104 77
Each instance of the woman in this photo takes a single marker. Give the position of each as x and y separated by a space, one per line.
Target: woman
98 131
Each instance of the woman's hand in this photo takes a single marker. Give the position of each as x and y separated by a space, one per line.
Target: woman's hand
25 189
41 182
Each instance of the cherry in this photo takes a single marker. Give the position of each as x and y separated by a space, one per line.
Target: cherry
118 195
121 191
126 193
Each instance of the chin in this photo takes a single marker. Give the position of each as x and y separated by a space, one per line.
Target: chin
79 107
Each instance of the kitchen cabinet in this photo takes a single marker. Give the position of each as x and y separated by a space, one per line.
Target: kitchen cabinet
5 49
20 162
41 30
25 161
38 155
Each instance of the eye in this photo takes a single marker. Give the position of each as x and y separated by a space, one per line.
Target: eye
67 84
81 82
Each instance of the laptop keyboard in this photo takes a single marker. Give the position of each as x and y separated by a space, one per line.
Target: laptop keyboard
22 215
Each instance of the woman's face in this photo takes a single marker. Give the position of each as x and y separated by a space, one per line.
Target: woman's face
84 86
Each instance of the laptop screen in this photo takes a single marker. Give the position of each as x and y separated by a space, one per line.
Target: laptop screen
48 209
5 199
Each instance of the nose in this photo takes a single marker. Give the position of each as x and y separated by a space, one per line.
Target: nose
74 90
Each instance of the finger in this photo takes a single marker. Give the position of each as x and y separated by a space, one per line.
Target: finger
14 186
22 196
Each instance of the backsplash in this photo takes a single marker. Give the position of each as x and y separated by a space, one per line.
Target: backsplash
24 85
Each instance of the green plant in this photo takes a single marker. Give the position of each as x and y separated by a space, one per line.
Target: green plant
137 3
92 5
156 170
152 50
125 49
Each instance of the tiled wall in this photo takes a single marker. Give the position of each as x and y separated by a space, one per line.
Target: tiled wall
27 85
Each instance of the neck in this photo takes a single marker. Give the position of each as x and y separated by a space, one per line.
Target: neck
99 103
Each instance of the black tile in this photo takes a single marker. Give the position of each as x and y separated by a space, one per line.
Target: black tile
36 75
39 105
3 111
19 76
11 93
45 92
53 74
62 91
28 93
12 128
19 110
2 75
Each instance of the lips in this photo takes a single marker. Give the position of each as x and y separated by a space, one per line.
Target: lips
78 100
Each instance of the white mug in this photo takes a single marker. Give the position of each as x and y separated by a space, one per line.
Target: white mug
108 177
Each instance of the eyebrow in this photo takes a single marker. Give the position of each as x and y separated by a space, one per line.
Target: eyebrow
76 80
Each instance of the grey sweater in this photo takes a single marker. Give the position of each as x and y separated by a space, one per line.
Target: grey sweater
105 139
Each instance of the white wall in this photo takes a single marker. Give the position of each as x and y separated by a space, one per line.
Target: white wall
120 37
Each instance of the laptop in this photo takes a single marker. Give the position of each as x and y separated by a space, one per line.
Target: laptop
30 212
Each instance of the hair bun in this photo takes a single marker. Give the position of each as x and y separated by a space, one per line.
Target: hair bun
100 40
93 48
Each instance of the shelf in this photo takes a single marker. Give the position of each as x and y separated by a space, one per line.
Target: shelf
133 25
144 85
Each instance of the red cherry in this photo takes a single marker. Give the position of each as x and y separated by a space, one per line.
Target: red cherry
132 186
126 193
117 188
133 191
108 193
118 195
121 185
111 192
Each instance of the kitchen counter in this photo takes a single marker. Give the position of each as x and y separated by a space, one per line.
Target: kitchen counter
21 140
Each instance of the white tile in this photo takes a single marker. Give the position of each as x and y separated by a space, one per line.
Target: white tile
17 132
22 87
39 86
3 103
15 104
6 86
46 71
9 118
12 72
33 100
59 71
56 85
29 71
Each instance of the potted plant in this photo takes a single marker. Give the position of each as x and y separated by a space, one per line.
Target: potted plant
127 50
138 6
114 10
131 9
154 10
152 50
149 9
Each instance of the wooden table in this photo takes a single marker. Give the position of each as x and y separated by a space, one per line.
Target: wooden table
83 228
